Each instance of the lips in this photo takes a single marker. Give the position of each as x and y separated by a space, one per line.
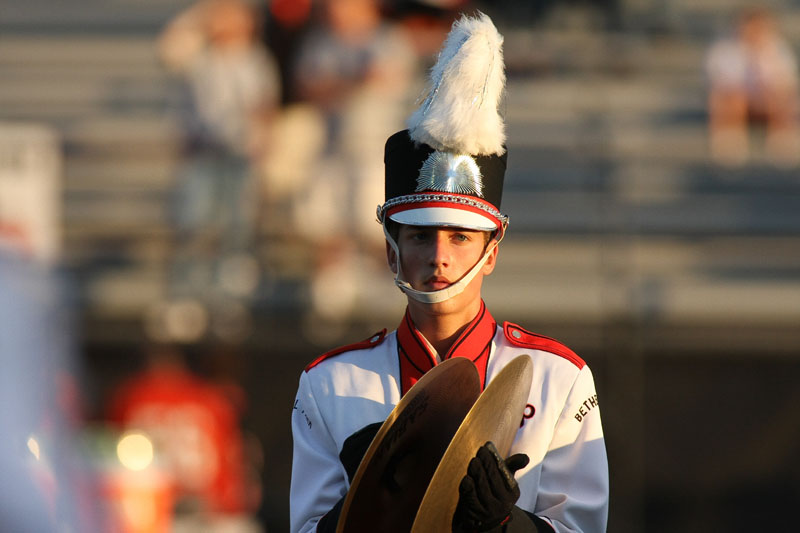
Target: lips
436 283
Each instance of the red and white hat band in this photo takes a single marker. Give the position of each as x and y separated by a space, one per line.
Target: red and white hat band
436 209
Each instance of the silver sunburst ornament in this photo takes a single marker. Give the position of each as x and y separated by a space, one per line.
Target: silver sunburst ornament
446 172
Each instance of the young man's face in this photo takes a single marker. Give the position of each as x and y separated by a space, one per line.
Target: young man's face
433 258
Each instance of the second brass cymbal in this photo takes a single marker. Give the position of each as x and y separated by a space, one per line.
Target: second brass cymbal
495 417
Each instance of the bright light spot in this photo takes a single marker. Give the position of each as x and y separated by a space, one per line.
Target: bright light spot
135 451
33 446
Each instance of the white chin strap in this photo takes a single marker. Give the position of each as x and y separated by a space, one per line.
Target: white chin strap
432 297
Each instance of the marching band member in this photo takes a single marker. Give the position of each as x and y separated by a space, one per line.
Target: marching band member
442 222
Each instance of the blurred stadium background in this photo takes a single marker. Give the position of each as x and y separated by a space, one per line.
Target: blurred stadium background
676 278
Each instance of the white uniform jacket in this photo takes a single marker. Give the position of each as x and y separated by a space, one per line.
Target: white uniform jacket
566 481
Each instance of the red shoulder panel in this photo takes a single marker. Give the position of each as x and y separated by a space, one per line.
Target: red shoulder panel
521 337
367 343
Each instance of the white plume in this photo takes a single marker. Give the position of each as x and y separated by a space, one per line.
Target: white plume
460 110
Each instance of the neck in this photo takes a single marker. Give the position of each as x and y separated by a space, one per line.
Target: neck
441 324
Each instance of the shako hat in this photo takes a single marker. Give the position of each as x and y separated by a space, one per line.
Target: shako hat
447 168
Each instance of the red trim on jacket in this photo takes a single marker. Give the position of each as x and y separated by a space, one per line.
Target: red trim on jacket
367 343
525 339
416 358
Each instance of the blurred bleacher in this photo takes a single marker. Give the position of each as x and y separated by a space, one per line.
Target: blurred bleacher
89 70
617 212
625 237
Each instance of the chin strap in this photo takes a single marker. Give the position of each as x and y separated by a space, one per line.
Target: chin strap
432 297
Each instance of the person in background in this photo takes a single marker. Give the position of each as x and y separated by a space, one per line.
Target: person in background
233 87
47 481
194 425
353 70
286 24
753 83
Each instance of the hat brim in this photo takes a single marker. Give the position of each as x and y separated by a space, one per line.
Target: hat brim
445 216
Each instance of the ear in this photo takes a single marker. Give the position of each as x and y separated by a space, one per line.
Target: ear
391 258
488 266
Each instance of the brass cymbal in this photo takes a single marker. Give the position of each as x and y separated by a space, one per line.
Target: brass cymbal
397 467
494 417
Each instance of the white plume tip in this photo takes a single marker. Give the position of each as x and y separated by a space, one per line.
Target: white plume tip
460 110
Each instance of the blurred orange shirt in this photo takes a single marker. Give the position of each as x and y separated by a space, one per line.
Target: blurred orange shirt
194 426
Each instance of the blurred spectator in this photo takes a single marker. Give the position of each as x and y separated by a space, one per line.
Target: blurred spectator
194 426
286 24
297 131
425 23
354 70
46 482
753 82
234 90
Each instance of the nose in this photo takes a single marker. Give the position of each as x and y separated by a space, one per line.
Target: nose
440 249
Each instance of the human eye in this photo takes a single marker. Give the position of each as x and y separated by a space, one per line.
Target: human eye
418 235
461 237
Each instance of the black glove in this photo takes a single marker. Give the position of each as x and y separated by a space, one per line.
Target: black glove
353 450
355 446
329 521
488 492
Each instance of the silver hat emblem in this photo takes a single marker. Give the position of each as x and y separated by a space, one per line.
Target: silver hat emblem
446 172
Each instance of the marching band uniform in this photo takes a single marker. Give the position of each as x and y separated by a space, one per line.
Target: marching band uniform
446 171
566 481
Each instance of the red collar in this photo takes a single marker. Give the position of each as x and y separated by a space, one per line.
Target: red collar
474 343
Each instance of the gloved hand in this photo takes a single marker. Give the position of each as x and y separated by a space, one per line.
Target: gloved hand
353 450
355 446
488 491
329 521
